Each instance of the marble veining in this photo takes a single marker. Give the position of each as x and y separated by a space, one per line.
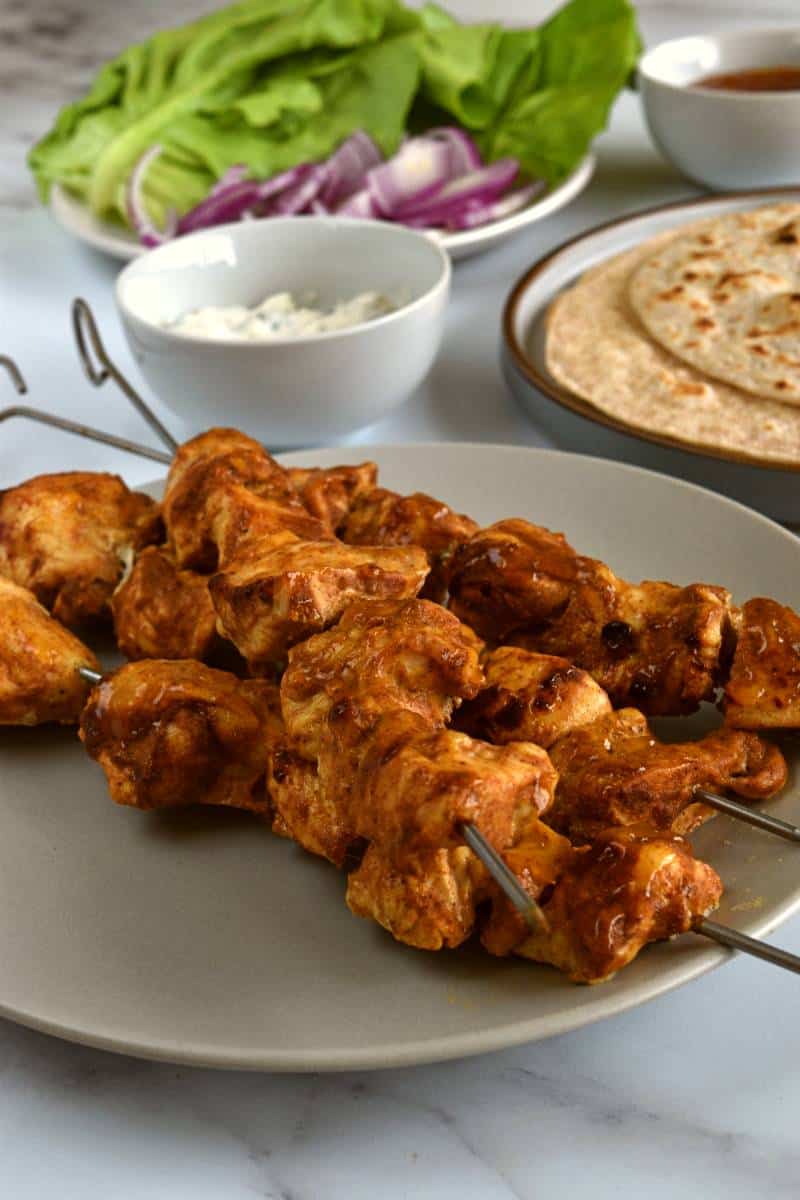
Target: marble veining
696 1094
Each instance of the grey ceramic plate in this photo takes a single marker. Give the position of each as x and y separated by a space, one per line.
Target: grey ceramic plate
576 424
120 243
199 937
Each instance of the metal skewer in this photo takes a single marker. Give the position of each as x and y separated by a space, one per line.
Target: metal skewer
505 878
15 373
90 676
27 413
86 332
750 815
735 940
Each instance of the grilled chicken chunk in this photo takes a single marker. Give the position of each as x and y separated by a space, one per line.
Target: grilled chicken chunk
625 890
531 697
239 520
382 518
511 576
329 492
172 733
219 477
429 900
653 645
661 647
39 662
274 595
763 689
305 810
382 655
614 773
161 611
416 787
69 538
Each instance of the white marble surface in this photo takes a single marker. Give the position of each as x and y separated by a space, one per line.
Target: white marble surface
697 1094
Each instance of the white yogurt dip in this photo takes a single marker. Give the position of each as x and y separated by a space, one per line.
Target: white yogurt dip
279 317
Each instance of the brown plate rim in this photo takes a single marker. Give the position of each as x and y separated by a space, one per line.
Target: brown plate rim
568 400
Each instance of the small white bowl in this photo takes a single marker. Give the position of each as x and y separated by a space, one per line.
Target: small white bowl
724 139
292 391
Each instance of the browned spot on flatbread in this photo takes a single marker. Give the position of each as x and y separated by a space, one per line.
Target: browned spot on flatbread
786 235
677 290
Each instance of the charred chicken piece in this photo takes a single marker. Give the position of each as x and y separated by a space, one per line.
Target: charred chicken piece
161 611
763 689
661 647
538 860
274 595
383 518
531 697
615 773
207 493
511 576
178 733
625 890
329 492
382 656
416 787
214 443
69 537
653 645
304 810
39 662
239 519
427 900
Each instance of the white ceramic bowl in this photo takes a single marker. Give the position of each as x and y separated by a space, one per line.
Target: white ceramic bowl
293 391
724 139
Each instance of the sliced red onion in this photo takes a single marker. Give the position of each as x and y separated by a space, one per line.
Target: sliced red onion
348 166
465 155
149 233
280 183
483 186
229 203
480 214
298 197
359 205
421 166
235 174
435 180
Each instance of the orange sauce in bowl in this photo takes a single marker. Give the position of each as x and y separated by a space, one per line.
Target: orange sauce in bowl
756 79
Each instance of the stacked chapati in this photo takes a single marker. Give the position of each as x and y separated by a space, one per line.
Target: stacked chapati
694 334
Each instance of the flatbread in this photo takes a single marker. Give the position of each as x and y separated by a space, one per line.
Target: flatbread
725 297
597 349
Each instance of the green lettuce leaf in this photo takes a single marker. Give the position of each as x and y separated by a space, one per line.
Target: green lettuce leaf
273 83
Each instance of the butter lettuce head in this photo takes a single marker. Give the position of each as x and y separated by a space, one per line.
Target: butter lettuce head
273 83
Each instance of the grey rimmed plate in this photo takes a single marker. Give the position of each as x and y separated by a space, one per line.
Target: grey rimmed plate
120 243
198 937
772 487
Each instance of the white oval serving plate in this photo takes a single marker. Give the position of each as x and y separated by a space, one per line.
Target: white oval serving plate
120 243
768 485
199 937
